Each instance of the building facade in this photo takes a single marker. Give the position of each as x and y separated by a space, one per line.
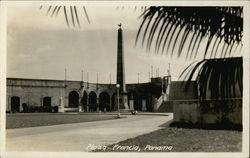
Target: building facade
75 95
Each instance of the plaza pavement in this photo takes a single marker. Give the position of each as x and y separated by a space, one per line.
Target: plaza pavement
77 136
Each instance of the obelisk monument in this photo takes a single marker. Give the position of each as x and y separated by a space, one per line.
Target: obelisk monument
120 72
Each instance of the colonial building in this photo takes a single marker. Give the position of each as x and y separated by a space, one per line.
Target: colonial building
72 95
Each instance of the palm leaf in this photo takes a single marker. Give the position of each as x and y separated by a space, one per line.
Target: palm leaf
68 11
218 76
219 23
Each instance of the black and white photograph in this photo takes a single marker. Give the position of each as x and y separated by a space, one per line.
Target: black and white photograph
125 79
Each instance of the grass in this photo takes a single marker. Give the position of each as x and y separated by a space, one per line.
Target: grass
176 139
47 119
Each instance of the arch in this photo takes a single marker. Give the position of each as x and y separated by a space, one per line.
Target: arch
46 101
92 101
73 99
104 101
15 104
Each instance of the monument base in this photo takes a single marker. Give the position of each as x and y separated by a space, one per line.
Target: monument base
123 102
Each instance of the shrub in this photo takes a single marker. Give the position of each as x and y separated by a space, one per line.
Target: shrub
33 109
55 109
46 109
30 109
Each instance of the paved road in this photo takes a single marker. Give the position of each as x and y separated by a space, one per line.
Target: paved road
77 136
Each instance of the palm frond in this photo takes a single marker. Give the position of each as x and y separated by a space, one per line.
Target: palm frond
86 14
77 19
72 17
54 10
216 24
216 78
66 16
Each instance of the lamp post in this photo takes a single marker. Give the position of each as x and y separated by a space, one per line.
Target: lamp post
118 104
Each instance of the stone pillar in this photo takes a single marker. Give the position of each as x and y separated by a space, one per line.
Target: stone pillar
87 99
97 102
110 102
61 105
87 106
80 107
20 106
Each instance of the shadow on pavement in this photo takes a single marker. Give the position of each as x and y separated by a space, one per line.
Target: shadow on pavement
216 126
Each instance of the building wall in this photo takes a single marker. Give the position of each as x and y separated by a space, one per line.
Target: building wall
32 91
177 91
185 104
208 112
189 109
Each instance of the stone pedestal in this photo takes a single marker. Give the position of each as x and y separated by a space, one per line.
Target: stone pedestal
80 109
123 102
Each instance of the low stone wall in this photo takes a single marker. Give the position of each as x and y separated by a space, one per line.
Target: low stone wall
166 106
208 111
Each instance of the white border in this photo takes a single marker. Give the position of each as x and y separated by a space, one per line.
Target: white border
246 49
3 63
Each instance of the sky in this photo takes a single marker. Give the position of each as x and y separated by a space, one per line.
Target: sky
41 47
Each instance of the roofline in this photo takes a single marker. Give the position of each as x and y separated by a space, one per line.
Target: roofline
34 79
